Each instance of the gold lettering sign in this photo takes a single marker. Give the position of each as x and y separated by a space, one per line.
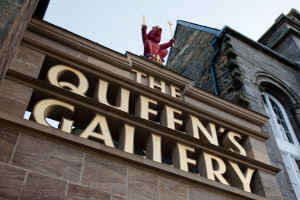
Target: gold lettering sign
122 100
101 133
77 83
180 158
43 109
126 140
208 133
153 148
184 157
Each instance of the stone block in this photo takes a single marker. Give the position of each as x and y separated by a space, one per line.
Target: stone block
11 182
270 186
206 193
8 12
118 198
284 192
17 22
170 190
14 97
231 64
8 139
104 175
75 192
48 158
3 32
107 66
63 49
43 187
142 185
12 107
230 53
236 72
257 150
28 61
237 82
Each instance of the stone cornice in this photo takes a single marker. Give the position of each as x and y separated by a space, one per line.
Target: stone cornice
226 106
278 22
284 34
261 47
78 43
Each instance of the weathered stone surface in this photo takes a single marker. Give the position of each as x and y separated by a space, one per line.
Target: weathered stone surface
8 139
77 192
14 97
256 149
9 11
14 25
172 190
11 182
270 186
205 194
142 185
48 158
104 175
51 44
28 61
257 68
189 54
12 107
43 187
283 38
118 198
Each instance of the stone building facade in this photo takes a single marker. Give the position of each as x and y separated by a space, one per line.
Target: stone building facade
255 75
81 121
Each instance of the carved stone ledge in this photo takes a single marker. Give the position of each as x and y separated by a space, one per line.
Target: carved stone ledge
231 64
230 53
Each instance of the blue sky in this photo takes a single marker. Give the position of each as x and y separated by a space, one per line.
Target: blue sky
116 24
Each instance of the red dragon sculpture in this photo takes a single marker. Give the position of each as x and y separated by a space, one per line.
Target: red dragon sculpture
152 49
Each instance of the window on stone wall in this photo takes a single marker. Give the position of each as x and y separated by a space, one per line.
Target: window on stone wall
278 119
286 139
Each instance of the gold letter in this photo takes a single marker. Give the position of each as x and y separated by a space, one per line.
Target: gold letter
126 140
58 71
153 147
167 118
179 157
239 178
161 86
207 169
47 107
104 133
122 100
230 141
142 108
209 134
175 91
139 75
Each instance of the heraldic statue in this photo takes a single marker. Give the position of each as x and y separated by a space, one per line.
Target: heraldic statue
152 49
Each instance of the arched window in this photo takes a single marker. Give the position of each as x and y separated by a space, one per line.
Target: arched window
279 120
286 139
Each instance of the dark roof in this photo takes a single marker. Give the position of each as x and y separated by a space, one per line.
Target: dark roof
199 27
